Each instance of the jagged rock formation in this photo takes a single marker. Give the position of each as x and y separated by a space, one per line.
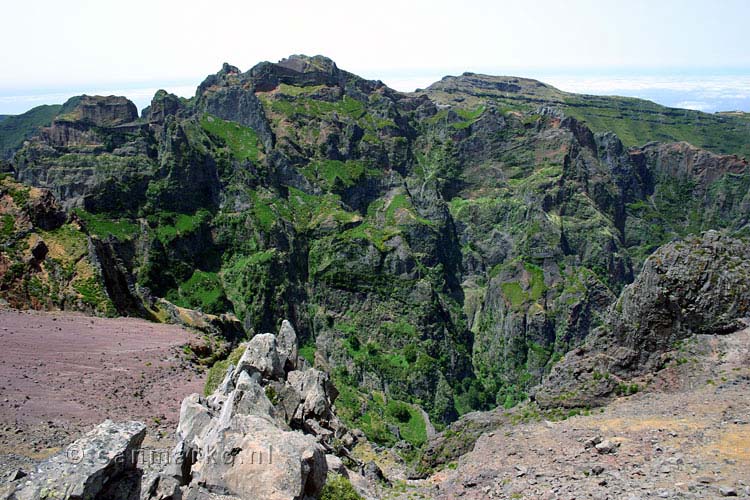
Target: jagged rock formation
269 431
270 422
696 286
102 465
444 248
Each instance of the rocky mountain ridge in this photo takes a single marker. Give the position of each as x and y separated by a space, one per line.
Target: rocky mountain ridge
443 249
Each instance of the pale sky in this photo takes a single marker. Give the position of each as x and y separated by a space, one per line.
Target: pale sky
55 44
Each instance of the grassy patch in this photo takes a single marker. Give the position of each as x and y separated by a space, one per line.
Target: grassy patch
302 106
536 285
66 243
203 291
379 414
332 174
338 487
219 369
637 121
514 293
7 226
242 141
18 192
307 352
170 225
103 226
293 90
92 293
311 211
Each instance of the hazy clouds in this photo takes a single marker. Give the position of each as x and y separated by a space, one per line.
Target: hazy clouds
58 47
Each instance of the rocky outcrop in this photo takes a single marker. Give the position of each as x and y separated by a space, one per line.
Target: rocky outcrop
696 286
101 111
163 105
102 465
684 161
269 431
230 96
225 326
93 154
44 211
297 70
265 431
80 126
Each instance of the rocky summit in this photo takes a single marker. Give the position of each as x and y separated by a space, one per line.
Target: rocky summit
451 261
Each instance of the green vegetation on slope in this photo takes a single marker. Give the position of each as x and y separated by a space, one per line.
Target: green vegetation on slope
219 369
338 487
242 141
637 121
15 129
343 226
202 291
378 415
103 226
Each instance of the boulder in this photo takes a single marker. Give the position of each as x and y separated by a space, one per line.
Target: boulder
253 458
161 487
100 465
194 417
44 210
248 398
287 346
316 392
39 250
16 475
606 447
373 473
335 464
261 356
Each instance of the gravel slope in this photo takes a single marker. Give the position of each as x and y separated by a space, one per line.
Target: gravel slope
63 373
686 436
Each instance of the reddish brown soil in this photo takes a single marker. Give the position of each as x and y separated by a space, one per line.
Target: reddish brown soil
62 373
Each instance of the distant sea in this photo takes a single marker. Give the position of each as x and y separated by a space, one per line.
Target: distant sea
709 91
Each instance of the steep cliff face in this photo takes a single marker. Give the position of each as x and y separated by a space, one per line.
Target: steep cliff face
45 261
691 287
94 156
689 191
444 248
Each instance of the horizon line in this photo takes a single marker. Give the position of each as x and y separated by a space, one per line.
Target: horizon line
601 82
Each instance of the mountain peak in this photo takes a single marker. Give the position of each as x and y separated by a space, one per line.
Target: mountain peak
100 110
474 82
306 64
